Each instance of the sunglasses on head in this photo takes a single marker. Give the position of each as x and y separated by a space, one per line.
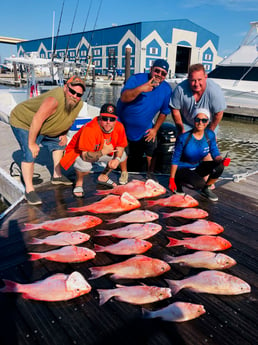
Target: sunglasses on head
74 93
198 120
106 118
159 71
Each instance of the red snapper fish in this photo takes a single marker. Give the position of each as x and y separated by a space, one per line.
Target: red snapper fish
110 204
201 227
139 294
139 189
68 224
212 243
62 239
214 282
190 213
65 254
176 312
202 259
140 266
58 287
175 200
137 216
138 231
125 247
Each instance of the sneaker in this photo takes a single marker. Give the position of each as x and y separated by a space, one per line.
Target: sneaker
123 178
33 198
209 194
61 180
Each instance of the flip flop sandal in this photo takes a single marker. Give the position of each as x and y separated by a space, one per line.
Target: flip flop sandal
78 189
108 183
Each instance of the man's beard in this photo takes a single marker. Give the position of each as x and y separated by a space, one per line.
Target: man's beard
69 106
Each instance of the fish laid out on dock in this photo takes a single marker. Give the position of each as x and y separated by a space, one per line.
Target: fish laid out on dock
68 224
190 213
214 282
203 242
140 294
125 247
200 227
140 231
175 200
58 287
62 239
202 259
137 216
176 312
110 204
139 189
65 254
140 266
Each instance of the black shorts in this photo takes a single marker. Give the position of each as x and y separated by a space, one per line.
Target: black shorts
141 147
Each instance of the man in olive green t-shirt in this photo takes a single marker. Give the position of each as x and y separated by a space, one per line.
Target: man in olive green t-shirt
45 120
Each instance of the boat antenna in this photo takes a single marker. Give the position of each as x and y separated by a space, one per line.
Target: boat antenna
60 19
84 27
68 42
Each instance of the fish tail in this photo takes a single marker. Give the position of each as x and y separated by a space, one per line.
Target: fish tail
35 256
104 295
172 228
146 314
174 286
151 203
96 272
29 227
10 286
98 248
36 241
111 221
102 192
169 258
102 233
166 215
173 242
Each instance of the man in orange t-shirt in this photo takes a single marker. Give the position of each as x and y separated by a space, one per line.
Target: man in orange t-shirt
100 142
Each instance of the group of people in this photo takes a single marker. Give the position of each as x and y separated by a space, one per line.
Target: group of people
130 127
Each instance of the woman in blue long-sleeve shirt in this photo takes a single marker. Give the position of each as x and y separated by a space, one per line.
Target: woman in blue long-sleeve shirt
196 161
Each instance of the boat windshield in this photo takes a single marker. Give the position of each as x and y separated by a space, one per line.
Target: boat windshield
251 38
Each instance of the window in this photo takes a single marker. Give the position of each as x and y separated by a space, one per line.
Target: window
207 57
96 52
72 54
206 67
83 53
154 51
97 63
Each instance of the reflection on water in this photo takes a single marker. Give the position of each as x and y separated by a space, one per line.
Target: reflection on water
239 139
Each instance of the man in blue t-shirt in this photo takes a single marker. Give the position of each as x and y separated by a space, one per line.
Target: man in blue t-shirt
143 97
193 93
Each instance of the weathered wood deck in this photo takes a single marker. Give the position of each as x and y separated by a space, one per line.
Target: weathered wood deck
229 320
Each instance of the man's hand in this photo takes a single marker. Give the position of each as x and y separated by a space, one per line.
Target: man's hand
34 149
113 164
62 140
107 148
151 134
172 184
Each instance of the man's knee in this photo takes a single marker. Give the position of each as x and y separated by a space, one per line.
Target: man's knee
81 165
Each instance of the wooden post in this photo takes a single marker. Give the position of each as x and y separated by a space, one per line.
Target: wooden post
15 73
127 62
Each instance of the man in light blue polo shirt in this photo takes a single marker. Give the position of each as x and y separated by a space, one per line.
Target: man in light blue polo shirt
196 92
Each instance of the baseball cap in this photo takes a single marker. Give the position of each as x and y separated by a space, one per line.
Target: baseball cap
108 109
161 63
202 111
75 80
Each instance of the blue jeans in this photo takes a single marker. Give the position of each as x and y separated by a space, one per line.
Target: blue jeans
22 136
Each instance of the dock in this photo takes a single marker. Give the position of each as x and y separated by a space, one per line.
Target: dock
229 320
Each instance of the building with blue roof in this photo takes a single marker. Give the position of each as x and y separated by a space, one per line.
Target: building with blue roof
180 42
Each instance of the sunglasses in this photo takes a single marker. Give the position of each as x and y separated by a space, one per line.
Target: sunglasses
159 71
198 120
106 118
74 93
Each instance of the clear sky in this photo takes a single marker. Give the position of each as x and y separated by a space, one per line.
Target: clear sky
229 19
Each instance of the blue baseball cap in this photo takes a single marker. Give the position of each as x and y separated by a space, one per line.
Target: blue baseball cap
161 63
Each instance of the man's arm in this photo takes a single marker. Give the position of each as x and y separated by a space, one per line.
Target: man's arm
216 120
92 157
178 120
130 95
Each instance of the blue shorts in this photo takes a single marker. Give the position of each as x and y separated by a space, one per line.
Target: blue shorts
22 136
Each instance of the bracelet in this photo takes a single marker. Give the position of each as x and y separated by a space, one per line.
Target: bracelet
118 158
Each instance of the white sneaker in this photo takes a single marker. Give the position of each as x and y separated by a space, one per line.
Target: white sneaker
123 178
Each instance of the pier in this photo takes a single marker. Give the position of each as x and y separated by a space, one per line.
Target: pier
229 320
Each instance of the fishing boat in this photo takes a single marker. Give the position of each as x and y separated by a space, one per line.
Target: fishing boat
237 74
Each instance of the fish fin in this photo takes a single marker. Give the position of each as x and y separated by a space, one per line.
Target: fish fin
35 256
98 248
152 203
103 191
29 227
173 285
104 295
166 215
36 241
172 228
173 242
96 272
10 286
